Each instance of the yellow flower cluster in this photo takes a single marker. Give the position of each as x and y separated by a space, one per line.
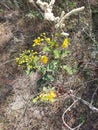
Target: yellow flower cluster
27 58
47 40
65 43
51 47
37 41
44 59
46 96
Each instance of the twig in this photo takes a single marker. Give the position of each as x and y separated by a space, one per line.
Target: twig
76 99
86 103
93 39
68 109
49 15
7 62
93 96
74 11
47 8
4 5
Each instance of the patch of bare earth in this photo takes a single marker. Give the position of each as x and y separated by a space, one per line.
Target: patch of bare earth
17 112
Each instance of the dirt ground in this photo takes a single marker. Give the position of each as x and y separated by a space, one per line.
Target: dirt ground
17 112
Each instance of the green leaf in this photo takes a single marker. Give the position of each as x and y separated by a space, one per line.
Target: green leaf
44 89
42 70
68 69
50 77
41 81
52 66
28 71
46 49
16 3
49 69
35 99
71 4
65 53
56 54
82 119
52 43
35 59
53 88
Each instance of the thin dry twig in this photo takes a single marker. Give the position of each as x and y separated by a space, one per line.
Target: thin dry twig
76 99
74 11
86 103
63 116
8 61
92 100
49 15
66 16
4 5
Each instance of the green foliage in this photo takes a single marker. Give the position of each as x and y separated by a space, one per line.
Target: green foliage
49 59
32 14
71 4
16 3
68 69
82 119
47 95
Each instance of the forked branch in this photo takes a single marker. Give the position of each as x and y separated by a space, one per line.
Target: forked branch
49 15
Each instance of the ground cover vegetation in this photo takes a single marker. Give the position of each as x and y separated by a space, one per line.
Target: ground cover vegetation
50 81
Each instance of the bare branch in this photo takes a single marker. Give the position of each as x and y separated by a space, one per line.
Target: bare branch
86 103
76 99
93 96
7 62
31 1
43 5
68 109
48 15
47 8
74 11
52 3
62 19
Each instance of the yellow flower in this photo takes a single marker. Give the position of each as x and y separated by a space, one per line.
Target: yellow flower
37 41
44 59
43 97
65 43
48 96
17 60
35 99
47 40
51 96
56 34
44 33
